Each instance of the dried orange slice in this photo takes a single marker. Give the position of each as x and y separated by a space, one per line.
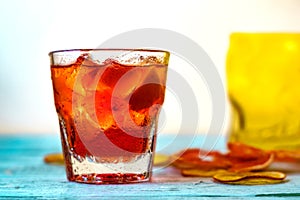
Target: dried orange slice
182 164
247 158
54 158
286 156
243 151
269 174
161 159
200 159
255 181
201 173
189 154
259 163
231 176
198 163
250 178
240 158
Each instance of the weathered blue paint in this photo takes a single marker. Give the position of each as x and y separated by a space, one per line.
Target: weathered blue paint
24 175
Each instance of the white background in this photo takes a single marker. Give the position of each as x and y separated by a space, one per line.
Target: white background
29 29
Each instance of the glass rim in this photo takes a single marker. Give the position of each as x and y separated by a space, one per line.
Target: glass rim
108 49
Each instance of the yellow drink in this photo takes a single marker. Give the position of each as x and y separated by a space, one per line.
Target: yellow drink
263 79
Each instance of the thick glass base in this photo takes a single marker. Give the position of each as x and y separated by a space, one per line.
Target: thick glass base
117 178
93 170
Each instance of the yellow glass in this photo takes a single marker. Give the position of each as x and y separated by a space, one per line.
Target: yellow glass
263 80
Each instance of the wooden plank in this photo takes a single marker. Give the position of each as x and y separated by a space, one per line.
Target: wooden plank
24 175
54 185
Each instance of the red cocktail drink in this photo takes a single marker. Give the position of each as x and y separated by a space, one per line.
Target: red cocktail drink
108 109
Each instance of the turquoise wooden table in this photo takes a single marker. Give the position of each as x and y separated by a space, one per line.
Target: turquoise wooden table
24 175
